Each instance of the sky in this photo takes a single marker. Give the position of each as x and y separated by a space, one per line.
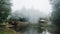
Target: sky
41 5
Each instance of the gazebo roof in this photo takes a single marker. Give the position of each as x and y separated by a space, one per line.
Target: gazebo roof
42 20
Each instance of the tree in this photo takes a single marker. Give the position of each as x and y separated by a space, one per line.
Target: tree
56 16
4 9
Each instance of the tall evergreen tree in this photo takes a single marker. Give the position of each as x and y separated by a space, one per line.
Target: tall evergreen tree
56 16
4 9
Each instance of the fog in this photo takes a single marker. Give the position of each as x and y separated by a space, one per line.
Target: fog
32 9
32 14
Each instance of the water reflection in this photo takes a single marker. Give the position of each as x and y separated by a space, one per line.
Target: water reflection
32 30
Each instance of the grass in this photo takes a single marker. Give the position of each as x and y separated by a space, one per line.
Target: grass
7 31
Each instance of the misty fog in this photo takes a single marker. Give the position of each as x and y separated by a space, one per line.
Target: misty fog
32 14
32 9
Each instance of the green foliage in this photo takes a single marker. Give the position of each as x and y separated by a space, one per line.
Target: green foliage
4 9
23 19
56 16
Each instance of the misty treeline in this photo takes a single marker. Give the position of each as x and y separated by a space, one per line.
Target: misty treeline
31 14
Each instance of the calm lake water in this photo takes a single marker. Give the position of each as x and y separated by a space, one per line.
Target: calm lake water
32 30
